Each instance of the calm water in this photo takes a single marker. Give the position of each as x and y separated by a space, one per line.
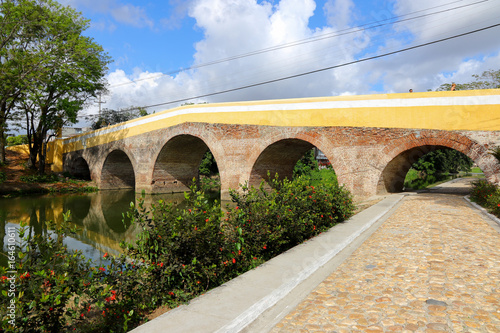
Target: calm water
98 217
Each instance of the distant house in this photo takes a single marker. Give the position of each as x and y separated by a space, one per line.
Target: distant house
72 131
323 161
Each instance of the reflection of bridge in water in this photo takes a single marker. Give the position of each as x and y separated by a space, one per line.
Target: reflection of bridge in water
98 216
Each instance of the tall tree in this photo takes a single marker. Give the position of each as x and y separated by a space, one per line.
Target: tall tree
73 70
21 59
110 117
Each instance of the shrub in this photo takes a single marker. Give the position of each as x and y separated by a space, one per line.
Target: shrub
49 283
274 221
486 195
481 192
3 177
51 178
180 253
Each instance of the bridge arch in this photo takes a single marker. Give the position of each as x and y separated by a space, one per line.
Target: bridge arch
398 158
178 163
117 171
281 155
77 167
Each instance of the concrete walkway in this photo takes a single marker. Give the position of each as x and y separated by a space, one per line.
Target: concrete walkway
422 262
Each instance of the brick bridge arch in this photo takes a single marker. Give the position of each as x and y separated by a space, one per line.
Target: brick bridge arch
178 162
279 151
397 158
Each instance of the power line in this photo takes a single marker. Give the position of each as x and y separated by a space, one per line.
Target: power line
376 24
325 68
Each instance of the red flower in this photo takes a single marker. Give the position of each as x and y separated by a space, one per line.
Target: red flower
105 255
264 247
234 261
207 220
102 269
50 309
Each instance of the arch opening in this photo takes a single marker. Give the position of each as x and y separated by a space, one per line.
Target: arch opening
182 159
289 158
78 168
419 166
117 172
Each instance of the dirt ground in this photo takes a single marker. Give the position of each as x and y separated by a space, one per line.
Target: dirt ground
15 168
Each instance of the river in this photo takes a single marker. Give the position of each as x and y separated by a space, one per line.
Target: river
98 217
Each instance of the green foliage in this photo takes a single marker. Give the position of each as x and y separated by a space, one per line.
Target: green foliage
443 161
181 253
3 177
317 177
51 178
17 140
62 67
49 282
306 164
487 195
109 117
274 221
208 166
489 79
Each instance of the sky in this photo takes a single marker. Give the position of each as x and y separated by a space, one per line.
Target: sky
169 52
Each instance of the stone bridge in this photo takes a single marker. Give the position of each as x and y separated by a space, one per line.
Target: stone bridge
371 141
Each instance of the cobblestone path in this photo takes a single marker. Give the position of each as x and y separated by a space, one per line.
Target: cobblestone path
433 266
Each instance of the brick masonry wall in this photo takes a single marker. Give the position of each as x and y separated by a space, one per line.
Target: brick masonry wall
367 161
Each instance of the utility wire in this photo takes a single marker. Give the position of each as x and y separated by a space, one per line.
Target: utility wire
339 33
325 68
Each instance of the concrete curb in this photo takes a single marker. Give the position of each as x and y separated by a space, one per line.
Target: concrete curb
239 302
483 210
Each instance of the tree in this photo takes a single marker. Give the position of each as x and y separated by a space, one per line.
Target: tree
208 166
443 161
73 70
110 117
21 59
490 79
306 164
17 140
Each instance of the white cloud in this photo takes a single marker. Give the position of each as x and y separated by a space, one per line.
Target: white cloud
339 13
233 28
122 12
131 15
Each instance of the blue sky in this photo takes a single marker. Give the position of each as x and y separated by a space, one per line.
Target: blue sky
150 40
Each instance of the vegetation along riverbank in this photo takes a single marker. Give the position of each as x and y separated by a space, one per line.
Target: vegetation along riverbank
17 179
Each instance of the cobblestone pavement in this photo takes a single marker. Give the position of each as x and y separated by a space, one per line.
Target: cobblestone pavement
433 266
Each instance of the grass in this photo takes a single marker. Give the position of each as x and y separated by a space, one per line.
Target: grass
322 176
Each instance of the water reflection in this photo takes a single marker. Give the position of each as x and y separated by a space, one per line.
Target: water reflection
98 216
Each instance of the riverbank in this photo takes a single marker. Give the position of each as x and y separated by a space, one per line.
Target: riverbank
17 179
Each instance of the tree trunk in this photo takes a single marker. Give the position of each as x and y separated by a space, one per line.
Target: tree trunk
33 148
2 133
41 158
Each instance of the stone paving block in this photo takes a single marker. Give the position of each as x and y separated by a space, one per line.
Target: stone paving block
433 266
